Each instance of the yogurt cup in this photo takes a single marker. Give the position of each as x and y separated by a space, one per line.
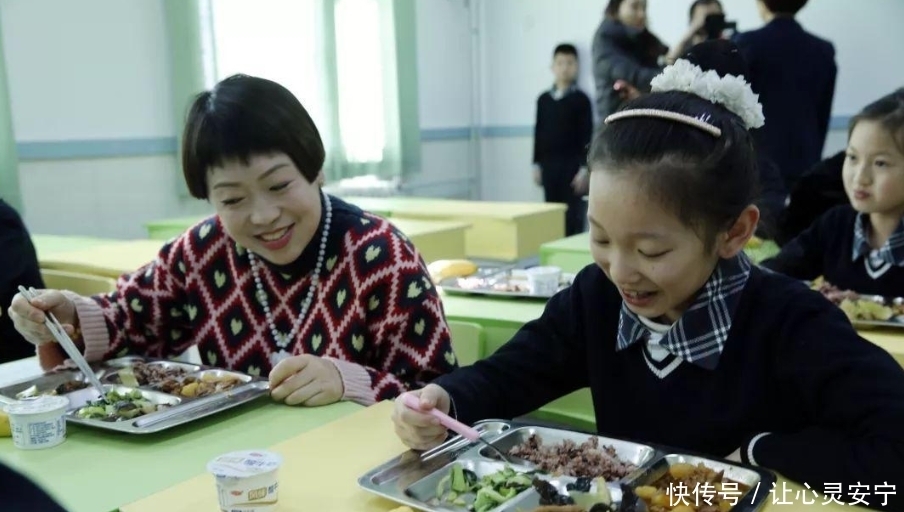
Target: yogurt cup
247 480
38 423
543 280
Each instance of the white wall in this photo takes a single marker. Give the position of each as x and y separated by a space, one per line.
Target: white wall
92 70
519 35
97 69
445 100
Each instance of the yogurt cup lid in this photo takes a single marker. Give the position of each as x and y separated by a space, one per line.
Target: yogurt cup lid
545 270
40 405
244 463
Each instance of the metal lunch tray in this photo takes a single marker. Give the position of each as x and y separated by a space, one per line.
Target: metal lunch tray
411 479
498 283
182 409
895 322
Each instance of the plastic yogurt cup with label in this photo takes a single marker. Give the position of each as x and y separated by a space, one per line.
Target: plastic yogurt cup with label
543 280
247 480
38 423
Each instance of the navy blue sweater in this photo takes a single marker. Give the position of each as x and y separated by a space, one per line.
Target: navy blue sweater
18 267
792 365
22 495
826 249
563 130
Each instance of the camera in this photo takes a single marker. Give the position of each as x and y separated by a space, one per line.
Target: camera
716 27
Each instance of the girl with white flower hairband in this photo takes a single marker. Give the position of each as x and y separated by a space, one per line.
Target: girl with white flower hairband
681 340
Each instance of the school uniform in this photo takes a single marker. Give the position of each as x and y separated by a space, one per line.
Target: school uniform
819 190
758 362
837 247
22 495
562 135
18 267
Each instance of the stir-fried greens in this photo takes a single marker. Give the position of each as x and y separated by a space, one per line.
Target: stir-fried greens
461 486
116 406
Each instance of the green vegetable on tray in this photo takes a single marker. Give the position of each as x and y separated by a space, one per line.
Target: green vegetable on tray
115 406
488 492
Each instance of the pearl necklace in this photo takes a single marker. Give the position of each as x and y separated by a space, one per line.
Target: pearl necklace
283 341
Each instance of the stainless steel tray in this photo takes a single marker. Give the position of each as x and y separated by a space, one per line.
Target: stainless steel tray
510 283
181 409
411 479
895 303
895 323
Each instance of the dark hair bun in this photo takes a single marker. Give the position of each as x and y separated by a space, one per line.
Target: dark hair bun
719 55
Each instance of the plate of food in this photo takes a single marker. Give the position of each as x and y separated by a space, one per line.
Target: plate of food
867 311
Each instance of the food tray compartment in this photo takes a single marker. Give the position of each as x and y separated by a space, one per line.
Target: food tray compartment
173 365
122 362
492 428
221 375
204 383
151 374
47 383
530 500
639 455
758 483
80 400
391 478
425 490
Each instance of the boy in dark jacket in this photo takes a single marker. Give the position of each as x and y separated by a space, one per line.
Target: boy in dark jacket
561 135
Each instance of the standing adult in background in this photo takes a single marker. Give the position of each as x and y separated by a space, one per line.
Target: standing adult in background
794 73
712 54
624 50
697 29
18 266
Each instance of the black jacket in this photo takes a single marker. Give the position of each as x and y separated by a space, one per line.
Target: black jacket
794 73
816 192
18 266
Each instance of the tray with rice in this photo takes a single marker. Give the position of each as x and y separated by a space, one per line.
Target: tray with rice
554 470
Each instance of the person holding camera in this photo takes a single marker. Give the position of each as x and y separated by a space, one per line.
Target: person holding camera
626 55
707 21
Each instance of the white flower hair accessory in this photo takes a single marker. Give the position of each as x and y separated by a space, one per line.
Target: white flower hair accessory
732 92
